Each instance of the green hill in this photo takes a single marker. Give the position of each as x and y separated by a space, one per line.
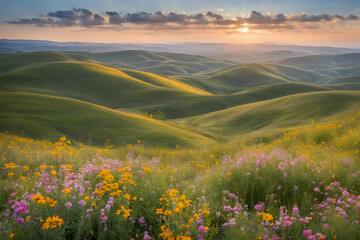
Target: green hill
316 62
293 110
200 104
236 78
97 84
296 74
49 117
246 76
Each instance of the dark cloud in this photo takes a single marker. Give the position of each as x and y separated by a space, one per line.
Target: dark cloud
174 17
83 13
95 20
64 15
214 15
76 17
141 17
41 22
259 18
314 18
352 17
114 17
160 20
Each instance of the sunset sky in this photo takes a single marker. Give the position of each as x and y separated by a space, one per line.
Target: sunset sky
325 22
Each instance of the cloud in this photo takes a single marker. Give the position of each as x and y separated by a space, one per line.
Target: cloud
315 18
352 17
76 17
259 18
83 13
34 21
114 18
160 20
215 15
92 21
64 15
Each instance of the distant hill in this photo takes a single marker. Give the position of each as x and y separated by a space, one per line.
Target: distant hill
49 117
160 62
8 50
188 48
318 62
17 61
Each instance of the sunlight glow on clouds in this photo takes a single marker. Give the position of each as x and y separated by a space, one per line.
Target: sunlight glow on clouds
81 24
160 20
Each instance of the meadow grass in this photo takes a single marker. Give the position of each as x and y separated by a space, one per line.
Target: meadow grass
50 117
302 184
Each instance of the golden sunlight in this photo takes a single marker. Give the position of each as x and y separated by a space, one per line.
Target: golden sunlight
244 28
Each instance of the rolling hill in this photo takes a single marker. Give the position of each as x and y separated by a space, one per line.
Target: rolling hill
218 95
97 84
201 104
155 62
240 77
293 110
159 62
49 117
319 62
134 91
246 76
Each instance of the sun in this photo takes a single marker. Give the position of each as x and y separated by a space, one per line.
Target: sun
244 28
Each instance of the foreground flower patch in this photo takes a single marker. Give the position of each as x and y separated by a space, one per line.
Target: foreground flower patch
288 189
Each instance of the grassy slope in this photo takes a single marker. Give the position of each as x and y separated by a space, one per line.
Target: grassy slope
237 78
343 83
97 84
163 82
43 116
246 76
283 112
295 74
195 105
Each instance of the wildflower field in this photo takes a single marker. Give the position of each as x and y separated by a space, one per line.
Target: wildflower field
303 184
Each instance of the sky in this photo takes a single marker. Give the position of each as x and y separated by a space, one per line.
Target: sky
305 22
